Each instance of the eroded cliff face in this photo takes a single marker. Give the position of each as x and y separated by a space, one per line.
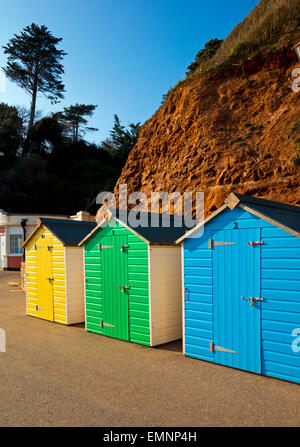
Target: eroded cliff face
228 132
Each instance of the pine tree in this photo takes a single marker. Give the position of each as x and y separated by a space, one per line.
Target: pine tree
34 64
74 120
124 139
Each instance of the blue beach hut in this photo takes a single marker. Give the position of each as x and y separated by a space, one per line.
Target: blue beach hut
241 292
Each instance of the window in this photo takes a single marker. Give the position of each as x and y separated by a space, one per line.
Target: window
16 241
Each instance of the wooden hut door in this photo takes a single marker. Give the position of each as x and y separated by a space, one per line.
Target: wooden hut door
114 262
236 291
44 306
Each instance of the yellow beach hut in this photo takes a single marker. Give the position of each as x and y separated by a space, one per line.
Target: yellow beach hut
54 270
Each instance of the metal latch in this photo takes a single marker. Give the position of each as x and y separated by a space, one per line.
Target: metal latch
212 243
50 279
50 247
123 247
253 299
213 347
124 288
102 324
102 247
253 243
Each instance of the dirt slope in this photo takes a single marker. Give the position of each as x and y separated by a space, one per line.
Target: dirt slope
223 133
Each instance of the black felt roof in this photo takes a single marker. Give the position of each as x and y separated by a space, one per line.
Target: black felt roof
160 228
69 232
280 213
155 228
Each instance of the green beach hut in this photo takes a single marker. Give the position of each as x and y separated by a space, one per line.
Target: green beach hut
133 281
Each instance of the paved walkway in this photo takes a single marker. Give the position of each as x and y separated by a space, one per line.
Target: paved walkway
52 375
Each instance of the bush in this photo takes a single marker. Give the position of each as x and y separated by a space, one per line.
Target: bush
260 30
205 54
238 51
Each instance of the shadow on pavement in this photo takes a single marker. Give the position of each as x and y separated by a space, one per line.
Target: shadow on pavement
79 325
174 346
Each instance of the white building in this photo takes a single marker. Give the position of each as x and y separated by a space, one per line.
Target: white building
12 234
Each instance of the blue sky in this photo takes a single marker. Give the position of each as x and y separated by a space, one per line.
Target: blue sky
123 55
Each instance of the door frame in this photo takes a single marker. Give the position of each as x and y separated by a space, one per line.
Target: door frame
223 354
114 242
46 313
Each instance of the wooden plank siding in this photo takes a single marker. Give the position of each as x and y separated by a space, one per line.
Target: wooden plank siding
138 295
165 293
279 287
74 285
198 297
59 287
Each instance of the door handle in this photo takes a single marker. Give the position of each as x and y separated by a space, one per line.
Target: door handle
252 300
253 243
50 279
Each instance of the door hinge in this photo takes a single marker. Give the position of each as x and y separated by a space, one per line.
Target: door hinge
37 246
37 308
212 243
253 243
213 347
103 247
102 324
